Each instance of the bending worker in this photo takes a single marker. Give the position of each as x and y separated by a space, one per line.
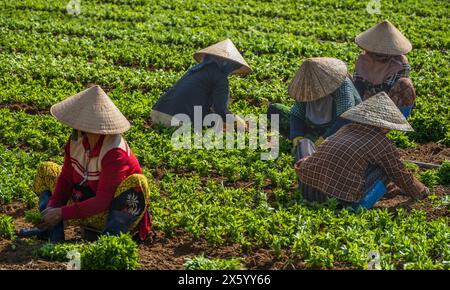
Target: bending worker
100 185
355 164
322 92
204 85
383 66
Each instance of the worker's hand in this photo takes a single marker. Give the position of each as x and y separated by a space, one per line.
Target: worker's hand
296 140
295 143
50 218
297 164
240 123
319 141
304 158
425 192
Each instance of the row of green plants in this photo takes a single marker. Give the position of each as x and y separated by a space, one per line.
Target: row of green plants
252 218
432 177
107 253
203 263
64 54
137 49
322 236
291 15
43 133
430 118
17 170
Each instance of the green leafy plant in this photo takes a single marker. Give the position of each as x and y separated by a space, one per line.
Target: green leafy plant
33 216
320 258
444 173
107 253
57 252
400 139
7 228
203 263
110 253
429 177
412 167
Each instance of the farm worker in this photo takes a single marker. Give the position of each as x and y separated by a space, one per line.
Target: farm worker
355 164
100 185
322 91
204 85
383 66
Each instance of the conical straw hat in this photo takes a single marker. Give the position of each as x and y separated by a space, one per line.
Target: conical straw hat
91 111
316 78
225 49
384 38
379 111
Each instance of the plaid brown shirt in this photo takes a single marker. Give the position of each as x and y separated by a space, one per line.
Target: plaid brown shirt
338 166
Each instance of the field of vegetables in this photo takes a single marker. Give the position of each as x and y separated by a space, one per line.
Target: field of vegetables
220 208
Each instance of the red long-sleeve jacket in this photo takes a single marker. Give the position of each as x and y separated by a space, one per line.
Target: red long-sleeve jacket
106 166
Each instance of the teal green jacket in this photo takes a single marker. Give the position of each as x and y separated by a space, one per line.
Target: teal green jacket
345 97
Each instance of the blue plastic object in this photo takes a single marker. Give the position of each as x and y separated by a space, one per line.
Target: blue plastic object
54 235
44 198
378 190
406 111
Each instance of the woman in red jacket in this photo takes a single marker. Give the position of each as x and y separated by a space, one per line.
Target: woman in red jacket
100 184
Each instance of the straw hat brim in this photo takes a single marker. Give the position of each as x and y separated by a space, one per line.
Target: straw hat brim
384 38
379 111
91 111
227 50
244 69
316 78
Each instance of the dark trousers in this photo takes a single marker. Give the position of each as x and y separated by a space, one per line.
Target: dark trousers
118 221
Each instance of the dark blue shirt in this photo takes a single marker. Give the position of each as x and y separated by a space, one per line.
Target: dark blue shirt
207 88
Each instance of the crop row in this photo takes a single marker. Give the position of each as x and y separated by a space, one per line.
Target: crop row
41 81
42 137
178 25
137 49
321 236
273 72
42 133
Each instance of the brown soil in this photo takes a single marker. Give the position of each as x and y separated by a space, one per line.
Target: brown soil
430 153
19 255
161 252
29 109
157 252
396 199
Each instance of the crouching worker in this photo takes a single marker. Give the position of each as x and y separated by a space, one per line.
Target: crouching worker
355 164
383 66
100 185
204 85
323 91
